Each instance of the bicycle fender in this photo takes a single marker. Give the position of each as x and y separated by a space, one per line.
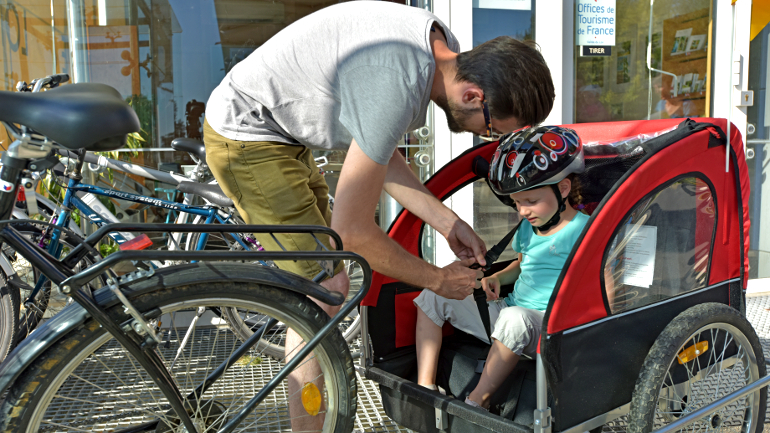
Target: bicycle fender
37 342
73 316
6 266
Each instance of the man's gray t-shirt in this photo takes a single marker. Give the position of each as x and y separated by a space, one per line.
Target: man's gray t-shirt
360 70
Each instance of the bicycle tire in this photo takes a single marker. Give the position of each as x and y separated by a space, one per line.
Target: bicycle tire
43 389
673 356
9 316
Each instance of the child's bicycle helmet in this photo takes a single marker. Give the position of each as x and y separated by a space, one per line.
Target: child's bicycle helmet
536 157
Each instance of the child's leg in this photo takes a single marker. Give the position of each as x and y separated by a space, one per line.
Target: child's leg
500 363
517 331
428 342
432 312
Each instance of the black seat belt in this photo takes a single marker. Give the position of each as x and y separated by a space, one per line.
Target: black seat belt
479 295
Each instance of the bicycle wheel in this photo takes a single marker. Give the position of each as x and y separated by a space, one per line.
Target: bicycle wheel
88 382
704 354
9 316
242 323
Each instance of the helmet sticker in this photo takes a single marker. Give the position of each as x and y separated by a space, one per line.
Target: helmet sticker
514 160
540 161
554 142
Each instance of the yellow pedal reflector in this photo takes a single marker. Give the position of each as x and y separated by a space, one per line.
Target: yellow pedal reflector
311 398
693 352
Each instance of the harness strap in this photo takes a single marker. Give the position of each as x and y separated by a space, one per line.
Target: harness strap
478 294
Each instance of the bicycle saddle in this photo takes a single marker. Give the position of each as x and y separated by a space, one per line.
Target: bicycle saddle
211 192
87 116
190 146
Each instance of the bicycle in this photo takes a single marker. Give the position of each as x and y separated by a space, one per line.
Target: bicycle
115 330
220 209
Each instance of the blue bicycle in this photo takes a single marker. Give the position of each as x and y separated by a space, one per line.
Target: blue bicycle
39 297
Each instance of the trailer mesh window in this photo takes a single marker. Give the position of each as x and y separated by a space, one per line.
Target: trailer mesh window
663 246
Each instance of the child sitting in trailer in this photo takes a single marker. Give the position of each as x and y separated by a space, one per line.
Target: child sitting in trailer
536 168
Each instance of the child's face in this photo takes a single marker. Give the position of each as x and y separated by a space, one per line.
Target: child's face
536 205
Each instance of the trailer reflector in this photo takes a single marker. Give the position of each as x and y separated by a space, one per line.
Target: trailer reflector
692 352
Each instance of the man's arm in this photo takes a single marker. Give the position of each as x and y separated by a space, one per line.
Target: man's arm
406 188
358 192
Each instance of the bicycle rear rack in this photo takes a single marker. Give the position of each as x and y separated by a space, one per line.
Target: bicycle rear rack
141 344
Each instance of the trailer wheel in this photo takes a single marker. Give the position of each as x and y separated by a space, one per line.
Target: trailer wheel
704 354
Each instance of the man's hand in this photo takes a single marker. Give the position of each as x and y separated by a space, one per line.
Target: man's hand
458 280
465 243
491 285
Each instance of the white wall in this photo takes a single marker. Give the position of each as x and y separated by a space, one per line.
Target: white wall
725 96
457 14
557 48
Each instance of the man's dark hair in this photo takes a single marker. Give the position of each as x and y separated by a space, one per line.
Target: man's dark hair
514 77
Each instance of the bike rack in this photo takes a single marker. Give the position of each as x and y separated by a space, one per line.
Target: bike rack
148 358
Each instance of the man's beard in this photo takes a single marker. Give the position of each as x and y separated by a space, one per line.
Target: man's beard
456 116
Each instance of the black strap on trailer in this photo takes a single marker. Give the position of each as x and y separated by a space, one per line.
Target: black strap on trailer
479 295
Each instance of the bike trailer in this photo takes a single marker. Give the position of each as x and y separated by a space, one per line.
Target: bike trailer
651 297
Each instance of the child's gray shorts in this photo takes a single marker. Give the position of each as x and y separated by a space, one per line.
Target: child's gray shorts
517 328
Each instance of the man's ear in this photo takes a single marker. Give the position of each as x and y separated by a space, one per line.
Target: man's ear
472 94
565 186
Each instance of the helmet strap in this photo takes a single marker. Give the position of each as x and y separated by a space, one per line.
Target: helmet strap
557 216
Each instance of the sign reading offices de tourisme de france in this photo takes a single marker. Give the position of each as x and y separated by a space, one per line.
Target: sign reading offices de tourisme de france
596 26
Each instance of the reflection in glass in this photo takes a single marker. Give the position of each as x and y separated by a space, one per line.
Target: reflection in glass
622 87
662 248
163 56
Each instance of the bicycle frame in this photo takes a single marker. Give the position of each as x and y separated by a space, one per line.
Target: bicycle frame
72 200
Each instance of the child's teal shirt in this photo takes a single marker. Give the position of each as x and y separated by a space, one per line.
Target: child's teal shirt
543 259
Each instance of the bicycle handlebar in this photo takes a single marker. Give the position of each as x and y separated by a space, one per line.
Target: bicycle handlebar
37 84
127 167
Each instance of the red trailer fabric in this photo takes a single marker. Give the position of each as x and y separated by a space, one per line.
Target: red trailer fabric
583 302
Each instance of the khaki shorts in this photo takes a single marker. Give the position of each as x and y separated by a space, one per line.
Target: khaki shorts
517 328
273 183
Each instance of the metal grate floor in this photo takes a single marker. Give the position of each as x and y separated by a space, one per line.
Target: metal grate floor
370 415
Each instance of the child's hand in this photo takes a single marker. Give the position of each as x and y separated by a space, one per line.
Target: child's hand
491 286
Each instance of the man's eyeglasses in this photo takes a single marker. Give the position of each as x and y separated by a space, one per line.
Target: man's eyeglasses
490 135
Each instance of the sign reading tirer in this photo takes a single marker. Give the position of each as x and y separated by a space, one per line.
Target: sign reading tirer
596 22
595 50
